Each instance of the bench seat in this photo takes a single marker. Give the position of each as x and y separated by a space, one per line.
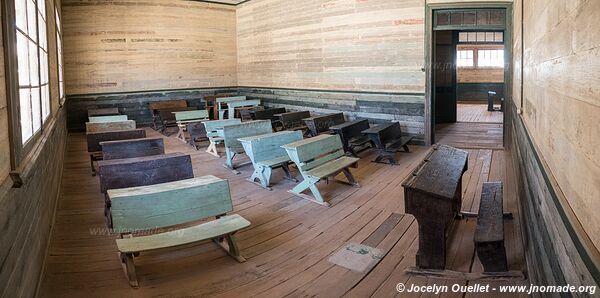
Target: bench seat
274 161
397 144
205 231
332 167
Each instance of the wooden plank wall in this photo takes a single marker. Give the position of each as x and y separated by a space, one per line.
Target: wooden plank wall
375 49
133 104
562 99
121 45
554 143
26 213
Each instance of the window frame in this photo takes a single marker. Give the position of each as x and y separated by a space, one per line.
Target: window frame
473 59
491 66
19 151
62 98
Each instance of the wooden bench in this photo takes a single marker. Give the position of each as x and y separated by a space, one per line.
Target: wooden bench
231 134
95 138
236 106
321 123
317 158
388 140
170 105
489 234
267 114
166 118
433 194
352 136
132 148
291 120
168 205
222 105
113 118
185 118
266 154
109 126
103 112
142 171
212 132
210 104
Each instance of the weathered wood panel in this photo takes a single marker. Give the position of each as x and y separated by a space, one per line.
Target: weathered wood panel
561 98
26 213
140 171
558 251
116 46
132 148
338 45
407 109
134 105
26 216
4 128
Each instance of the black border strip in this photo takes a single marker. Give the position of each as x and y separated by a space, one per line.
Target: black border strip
250 87
585 256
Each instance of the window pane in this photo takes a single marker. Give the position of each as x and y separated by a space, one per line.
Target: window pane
45 102
42 7
25 108
23 59
463 36
499 36
21 14
472 36
31 20
36 109
43 38
33 64
44 68
464 58
480 36
489 36
491 58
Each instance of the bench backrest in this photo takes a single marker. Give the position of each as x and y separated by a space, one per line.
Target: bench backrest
103 112
230 99
191 115
243 103
109 126
168 204
354 128
267 114
293 119
313 152
95 138
322 123
390 132
232 133
168 113
211 126
266 147
169 104
113 118
132 148
140 171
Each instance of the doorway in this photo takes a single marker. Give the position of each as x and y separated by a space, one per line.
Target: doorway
468 49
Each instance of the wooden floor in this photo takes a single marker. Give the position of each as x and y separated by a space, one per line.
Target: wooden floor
470 135
470 112
288 243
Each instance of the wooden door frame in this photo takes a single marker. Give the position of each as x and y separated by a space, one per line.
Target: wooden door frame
429 51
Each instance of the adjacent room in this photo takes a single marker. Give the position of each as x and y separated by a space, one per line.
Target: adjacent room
322 148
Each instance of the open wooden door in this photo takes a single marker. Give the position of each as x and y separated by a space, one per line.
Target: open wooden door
444 74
